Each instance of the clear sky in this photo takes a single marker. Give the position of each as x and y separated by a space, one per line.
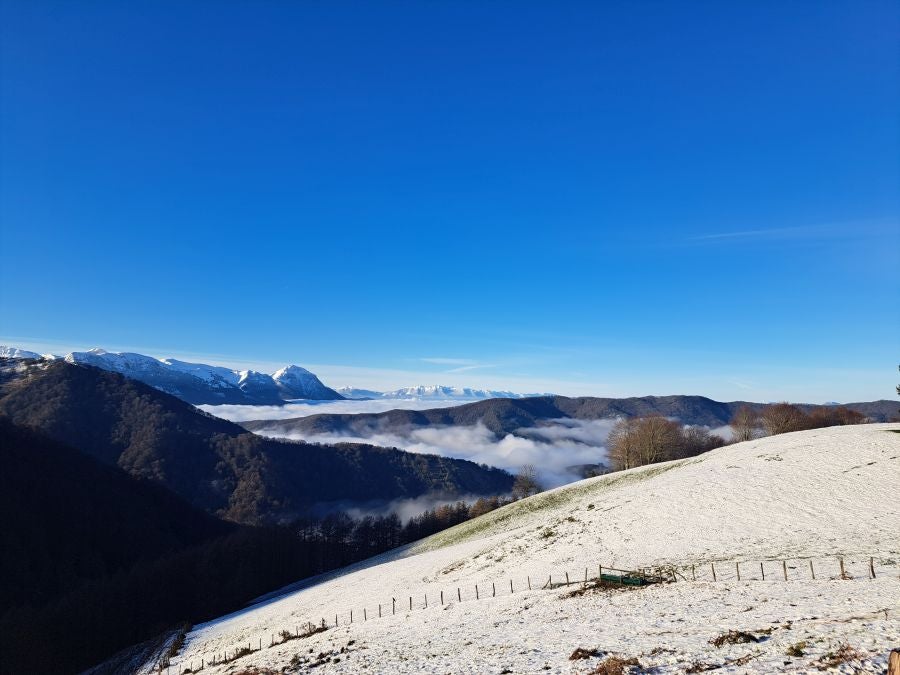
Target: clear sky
587 198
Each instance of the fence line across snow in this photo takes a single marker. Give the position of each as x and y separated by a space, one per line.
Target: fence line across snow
726 571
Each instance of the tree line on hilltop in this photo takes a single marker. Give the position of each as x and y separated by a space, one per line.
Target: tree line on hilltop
636 441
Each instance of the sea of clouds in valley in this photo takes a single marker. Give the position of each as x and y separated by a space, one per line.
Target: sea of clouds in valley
243 413
553 447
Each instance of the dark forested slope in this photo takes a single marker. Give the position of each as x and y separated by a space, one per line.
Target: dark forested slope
213 464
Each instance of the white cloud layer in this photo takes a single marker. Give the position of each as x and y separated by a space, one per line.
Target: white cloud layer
242 413
552 449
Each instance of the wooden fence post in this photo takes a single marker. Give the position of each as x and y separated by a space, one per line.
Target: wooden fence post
393 605
442 597
843 574
426 601
365 618
410 603
476 591
713 565
351 616
567 578
511 591
762 571
894 662
585 576
693 574
812 571
872 567
529 583
458 594
379 610
784 567
737 568
494 592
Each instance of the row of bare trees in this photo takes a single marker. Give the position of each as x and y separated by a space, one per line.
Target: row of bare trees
636 441
749 423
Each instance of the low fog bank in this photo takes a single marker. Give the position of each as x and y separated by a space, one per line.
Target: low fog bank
244 413
404 508
552 448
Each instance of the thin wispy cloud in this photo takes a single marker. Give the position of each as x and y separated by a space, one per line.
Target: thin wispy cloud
465 369
444 361
854 229
460 365
768 233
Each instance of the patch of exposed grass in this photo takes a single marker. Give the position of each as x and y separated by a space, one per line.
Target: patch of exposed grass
843 654
615 665
733 637
796 649
582 653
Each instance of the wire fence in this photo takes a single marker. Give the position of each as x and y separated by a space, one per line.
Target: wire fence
720 571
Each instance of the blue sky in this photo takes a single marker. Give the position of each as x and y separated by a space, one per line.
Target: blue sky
587 198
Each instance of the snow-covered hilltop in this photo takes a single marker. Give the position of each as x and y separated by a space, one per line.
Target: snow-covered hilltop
199 383
434 392
16 353
809 498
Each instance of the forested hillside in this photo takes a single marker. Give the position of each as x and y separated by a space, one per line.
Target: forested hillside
213 464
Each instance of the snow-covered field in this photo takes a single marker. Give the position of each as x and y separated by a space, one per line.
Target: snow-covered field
816 495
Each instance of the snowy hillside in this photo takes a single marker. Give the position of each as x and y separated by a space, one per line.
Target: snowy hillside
806 498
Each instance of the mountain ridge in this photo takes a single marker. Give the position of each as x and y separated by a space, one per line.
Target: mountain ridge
505 416
200 383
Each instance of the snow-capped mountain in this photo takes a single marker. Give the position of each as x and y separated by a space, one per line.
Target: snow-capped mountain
358 394
199 383
294 382
434 392
437 391
16 353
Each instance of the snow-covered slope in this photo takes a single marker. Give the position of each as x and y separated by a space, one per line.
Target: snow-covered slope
807 496
199 383
16 353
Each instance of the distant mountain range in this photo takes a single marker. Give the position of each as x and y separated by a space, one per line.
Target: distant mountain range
213 464
202 384
506 416
199 383
434 392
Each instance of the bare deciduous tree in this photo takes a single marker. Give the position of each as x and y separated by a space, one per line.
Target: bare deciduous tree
658 439
637 441
526 483
696 440
781 418
744 424
621 444
833 416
